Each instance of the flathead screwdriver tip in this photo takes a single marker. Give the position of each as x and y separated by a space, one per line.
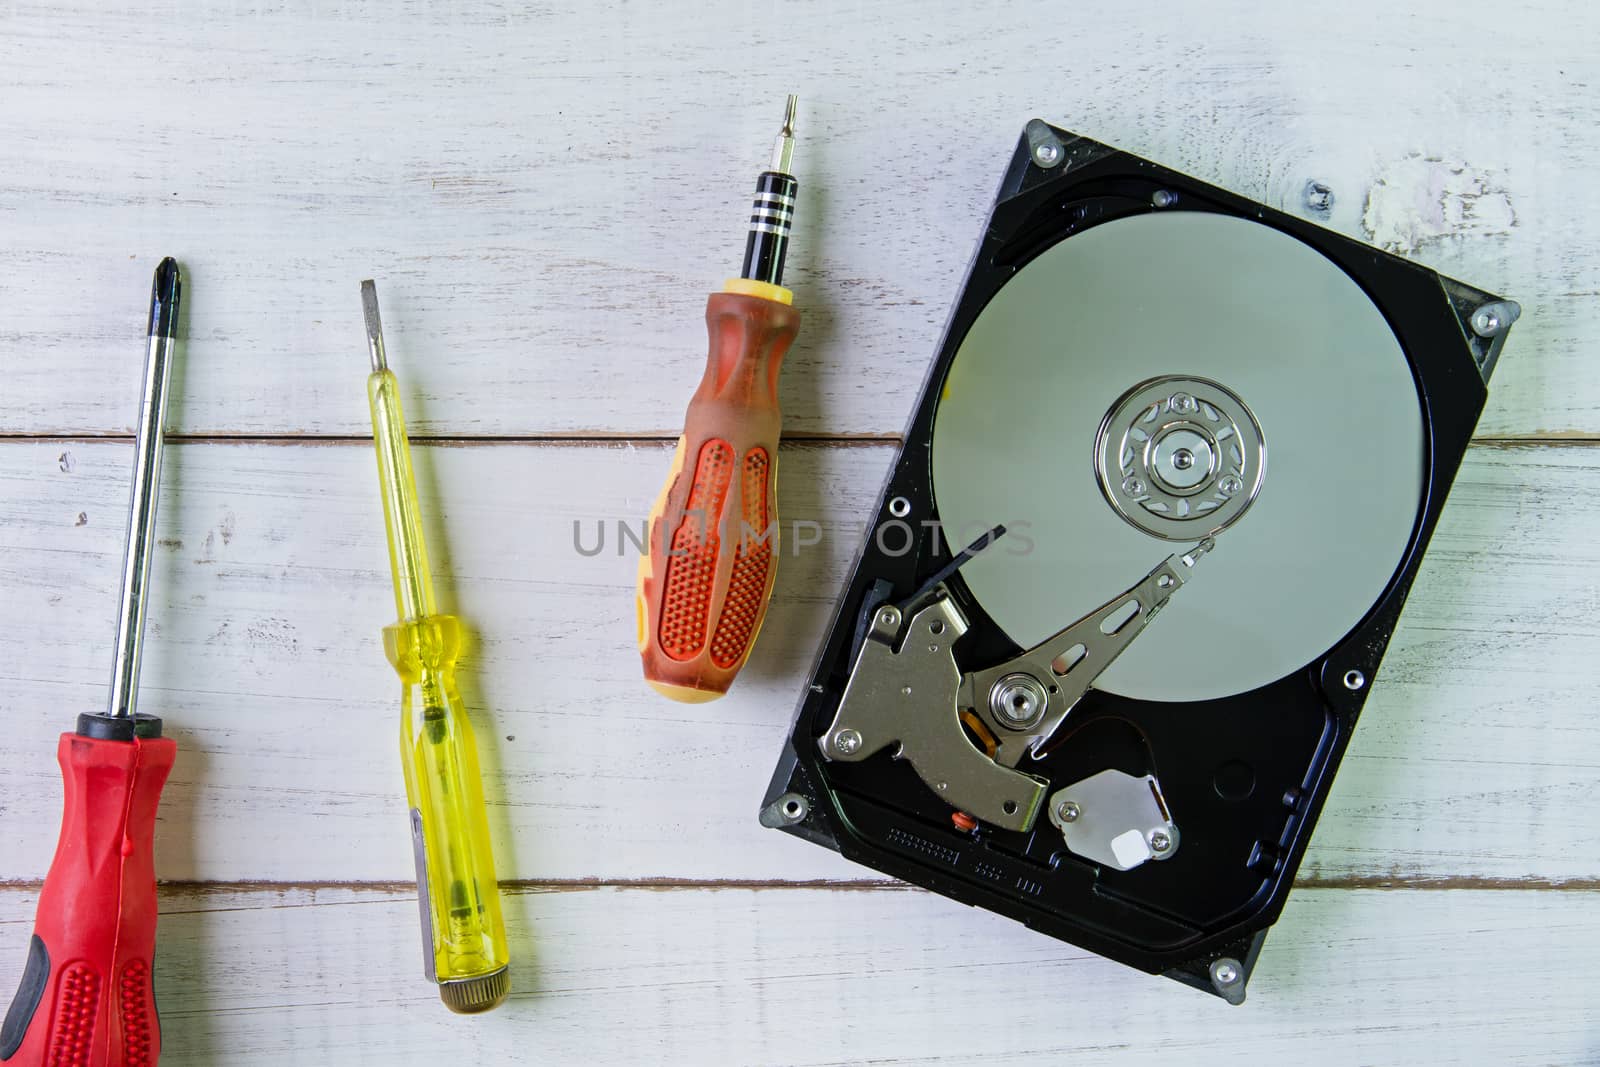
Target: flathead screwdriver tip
165 291
369 308
783 150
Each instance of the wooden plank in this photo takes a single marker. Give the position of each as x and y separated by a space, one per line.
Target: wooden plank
1476 757
883 977
545 192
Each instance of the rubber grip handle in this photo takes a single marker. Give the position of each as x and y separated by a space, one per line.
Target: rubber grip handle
713 552
95 930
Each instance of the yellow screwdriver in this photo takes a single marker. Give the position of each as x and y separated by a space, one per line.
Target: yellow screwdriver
463 935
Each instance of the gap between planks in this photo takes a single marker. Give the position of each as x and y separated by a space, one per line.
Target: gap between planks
609 439
1397 882
597 438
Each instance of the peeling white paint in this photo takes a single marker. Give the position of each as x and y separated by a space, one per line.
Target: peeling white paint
1422 199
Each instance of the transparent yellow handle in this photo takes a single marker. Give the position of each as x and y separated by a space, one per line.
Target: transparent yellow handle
460 898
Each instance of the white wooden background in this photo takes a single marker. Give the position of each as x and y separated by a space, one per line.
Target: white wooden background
545 195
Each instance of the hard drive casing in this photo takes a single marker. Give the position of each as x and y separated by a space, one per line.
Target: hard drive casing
1216 900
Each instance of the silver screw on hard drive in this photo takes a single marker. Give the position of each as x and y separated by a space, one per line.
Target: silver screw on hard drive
787 810
1163 198
1160 841
1227 978
1044 147
1354 680
1491 320
846 742
1067 811
1018 700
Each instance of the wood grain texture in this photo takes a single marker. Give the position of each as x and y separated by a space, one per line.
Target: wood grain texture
883 977
1476 757
545 192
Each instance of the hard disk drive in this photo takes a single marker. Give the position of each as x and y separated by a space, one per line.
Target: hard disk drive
1135 566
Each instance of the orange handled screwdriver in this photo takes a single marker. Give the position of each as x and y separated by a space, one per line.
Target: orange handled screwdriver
704 585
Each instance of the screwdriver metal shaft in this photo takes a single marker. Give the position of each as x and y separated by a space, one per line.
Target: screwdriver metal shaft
165 293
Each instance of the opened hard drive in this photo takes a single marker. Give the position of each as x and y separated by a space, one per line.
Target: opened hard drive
1135 567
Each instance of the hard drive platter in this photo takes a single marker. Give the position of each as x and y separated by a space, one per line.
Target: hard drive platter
1136 564
1163 297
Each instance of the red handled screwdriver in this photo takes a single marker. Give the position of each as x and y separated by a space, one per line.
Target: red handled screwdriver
85 997
704 585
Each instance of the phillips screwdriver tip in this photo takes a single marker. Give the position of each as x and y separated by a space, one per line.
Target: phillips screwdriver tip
165 292
788 114
369 307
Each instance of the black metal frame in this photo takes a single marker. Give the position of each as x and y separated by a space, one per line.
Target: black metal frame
1216 898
